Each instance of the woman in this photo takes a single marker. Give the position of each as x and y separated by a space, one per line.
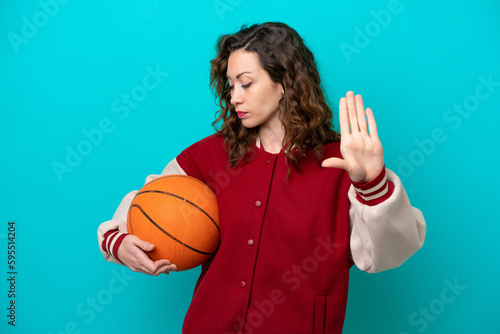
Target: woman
297 205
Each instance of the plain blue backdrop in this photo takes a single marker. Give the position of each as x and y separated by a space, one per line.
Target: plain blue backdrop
96 96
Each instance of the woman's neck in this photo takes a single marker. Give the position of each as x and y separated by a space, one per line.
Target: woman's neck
271 137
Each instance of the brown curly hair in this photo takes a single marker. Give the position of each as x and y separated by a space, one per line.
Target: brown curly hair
303 110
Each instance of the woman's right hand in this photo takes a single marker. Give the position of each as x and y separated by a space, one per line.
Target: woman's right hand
132 252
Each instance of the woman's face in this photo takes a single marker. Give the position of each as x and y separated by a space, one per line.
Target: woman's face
254 95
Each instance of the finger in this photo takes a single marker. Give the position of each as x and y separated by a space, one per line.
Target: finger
343 117
165 269
163 265
360 111
138 242
334 163
351 110
146 265
162 262
371 123
142 260
144 245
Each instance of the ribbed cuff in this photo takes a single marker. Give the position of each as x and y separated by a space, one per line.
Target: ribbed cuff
374 192
112 241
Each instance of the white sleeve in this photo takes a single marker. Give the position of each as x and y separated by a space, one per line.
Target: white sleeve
109 245
385 235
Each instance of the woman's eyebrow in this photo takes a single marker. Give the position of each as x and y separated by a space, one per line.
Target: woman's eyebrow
239 75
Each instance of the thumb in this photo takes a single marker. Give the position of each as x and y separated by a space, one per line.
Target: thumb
146 246
334 163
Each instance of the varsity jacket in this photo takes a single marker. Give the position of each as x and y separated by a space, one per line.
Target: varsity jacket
287 242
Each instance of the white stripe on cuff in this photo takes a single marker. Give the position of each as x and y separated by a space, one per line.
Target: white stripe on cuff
375 188
378 195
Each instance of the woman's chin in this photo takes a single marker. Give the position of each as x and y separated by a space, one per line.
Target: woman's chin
249 124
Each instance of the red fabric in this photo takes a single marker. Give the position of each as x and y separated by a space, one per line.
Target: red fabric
117 244
374 188
296 268
108 240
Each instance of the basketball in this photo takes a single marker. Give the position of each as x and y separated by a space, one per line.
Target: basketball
179 215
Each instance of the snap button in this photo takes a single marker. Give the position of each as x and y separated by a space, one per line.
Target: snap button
258 204
243 284
236 328
268 161
250 242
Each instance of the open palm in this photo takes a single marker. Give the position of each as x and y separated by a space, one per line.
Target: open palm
363 156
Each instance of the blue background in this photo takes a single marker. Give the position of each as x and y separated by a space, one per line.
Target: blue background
66 68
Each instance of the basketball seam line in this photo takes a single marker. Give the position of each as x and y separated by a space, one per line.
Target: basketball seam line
185 200
168 234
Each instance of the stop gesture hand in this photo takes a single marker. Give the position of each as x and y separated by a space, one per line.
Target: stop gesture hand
361 149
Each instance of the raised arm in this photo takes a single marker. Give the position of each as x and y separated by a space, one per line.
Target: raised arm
385 229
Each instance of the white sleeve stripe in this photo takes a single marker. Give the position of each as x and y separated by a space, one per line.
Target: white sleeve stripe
377 195
373 189
111 241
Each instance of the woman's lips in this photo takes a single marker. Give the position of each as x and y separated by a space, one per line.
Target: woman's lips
241 113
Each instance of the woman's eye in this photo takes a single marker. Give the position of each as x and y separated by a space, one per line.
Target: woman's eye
244 86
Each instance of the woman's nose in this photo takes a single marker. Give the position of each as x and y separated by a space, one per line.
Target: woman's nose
236 97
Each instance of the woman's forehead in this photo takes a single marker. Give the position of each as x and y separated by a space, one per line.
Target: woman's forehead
242 62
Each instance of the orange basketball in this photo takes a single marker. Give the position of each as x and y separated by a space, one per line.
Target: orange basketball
179 215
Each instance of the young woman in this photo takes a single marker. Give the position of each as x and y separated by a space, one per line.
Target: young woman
298 203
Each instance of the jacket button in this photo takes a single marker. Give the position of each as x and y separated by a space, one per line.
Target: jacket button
250 242
236 328
243 284
268 161
258 204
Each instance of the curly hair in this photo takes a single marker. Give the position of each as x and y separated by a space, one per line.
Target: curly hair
303 110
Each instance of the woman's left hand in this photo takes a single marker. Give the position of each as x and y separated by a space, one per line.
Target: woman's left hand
363 156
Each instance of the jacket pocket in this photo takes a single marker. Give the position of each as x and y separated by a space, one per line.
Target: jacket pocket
319 314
